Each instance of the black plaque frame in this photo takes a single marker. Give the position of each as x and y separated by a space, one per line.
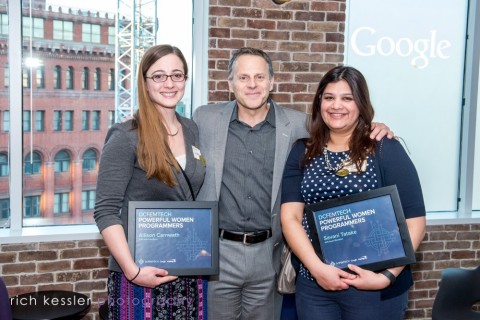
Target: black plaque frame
336 205
137 208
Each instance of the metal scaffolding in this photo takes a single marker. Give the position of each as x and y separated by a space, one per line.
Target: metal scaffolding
136 24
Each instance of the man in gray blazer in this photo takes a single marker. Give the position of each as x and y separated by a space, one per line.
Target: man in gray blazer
245 143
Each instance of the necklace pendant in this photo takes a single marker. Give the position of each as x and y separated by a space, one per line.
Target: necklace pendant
342 172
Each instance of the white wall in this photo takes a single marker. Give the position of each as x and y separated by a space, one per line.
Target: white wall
412 54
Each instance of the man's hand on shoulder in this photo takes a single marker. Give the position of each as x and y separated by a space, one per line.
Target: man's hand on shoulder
380 130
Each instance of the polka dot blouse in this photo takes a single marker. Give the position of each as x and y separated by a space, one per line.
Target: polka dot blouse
320 183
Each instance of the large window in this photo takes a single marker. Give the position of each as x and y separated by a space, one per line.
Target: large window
26 78
95 120
62 30
4 210
85 120
61 203
37 30
47 179
6 121
40 121
57 77
97 79
69 78
40 77
88 200
4 164
57 120
3 24
62 161
32 206
68 120
90 33
111 80
32 164
26 121
85 78
89 160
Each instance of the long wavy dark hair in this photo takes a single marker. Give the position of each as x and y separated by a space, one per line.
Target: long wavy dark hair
360 144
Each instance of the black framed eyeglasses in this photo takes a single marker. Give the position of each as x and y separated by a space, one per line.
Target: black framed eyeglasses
176 77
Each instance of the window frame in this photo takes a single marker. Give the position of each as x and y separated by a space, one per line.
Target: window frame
16 233
35 167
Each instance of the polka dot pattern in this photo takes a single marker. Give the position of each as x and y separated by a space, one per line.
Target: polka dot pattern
320 184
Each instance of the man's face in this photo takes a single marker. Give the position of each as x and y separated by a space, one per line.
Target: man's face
251 83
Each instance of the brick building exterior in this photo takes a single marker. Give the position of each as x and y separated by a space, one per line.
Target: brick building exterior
304 39
72 97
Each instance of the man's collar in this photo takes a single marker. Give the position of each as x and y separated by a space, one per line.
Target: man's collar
270 118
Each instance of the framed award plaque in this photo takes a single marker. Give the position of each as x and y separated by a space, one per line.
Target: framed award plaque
178 236
367 229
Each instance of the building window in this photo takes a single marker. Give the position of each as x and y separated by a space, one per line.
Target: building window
111 118
32 206
96 79
62 30
4 24
26 121
95 120
57 120
62 161
6 121
26 78
6 76
90 32
39 121
85 78
40 77
111 35
61 203
89 160
32 164
4 208
37 27
57 77
88 200
85 120
111 80
69 78
68 115
4 164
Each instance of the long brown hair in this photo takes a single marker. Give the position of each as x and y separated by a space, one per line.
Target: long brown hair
153 152
360 144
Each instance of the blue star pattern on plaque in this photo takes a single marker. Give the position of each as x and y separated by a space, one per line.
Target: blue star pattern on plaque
191 245
380 239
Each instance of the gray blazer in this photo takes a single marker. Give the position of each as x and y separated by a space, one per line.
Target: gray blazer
213 122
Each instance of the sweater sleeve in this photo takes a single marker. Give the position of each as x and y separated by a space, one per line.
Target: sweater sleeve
115 170
293 174
398 169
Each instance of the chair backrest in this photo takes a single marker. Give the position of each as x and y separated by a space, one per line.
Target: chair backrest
5 310
459 290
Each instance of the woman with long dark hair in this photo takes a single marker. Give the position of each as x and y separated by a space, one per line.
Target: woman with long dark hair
337 160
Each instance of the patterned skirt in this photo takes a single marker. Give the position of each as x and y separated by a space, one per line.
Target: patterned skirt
181 299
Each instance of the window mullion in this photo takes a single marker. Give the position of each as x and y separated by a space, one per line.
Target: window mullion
16 125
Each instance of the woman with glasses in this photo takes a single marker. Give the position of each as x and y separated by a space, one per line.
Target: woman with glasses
339 159
151 157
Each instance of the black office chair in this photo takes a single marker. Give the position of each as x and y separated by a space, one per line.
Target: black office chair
459 291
